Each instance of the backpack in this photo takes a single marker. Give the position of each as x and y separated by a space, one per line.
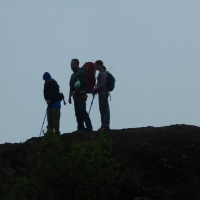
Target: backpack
110 82
90 71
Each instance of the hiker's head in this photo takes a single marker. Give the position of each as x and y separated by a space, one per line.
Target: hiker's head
74 64
99 65
46 76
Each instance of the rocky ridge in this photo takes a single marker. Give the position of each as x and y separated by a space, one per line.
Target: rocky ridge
157 163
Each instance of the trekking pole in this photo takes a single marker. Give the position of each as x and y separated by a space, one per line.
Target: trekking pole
91 104
43 121
90 108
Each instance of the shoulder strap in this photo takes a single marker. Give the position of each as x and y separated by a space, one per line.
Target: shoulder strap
75 74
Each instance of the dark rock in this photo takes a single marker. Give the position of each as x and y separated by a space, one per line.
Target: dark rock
156 163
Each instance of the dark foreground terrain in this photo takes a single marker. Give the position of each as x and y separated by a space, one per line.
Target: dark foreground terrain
155 163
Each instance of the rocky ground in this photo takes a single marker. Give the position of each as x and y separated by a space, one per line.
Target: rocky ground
156 163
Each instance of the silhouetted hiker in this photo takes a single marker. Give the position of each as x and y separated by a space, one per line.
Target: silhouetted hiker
103 94
52 98
78 86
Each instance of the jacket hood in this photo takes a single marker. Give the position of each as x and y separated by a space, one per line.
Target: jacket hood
46 76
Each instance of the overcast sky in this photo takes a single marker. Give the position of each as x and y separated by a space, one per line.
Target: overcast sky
151 47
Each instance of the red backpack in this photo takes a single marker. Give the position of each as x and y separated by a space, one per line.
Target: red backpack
90 75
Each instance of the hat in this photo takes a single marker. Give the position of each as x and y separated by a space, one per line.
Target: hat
46 76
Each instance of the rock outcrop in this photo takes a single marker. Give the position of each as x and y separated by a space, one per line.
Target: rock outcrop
156 163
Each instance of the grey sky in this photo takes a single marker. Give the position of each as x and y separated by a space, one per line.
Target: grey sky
151 47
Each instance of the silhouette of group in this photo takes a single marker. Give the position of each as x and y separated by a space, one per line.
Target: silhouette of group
80 83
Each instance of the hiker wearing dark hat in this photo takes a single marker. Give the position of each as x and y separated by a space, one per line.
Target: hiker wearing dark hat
51 96
103 94
78 86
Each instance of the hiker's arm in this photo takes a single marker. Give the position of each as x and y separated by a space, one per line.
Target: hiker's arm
45 92
103 81
54 92
70 96
77 91
71 90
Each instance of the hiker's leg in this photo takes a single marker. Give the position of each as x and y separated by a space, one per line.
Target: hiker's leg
77 108
87 117
100 109
107 113
56 119
83 113
104 110
88 122
49 120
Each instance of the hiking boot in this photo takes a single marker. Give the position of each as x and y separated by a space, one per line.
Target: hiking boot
88 129
103 129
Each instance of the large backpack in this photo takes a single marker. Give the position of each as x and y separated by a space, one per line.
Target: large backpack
110 82
90 75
